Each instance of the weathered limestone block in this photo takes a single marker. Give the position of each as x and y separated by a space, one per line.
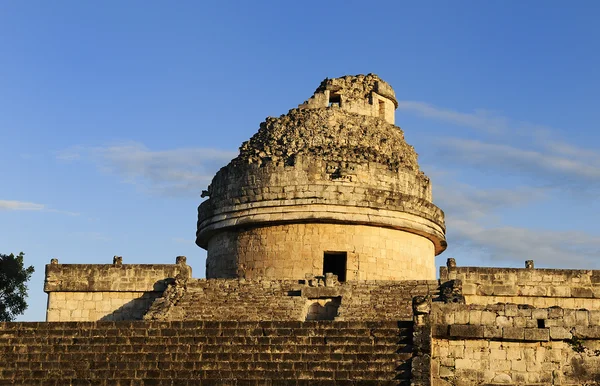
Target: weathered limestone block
466 331
537 334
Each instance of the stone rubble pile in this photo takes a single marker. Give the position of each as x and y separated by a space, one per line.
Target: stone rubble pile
331 134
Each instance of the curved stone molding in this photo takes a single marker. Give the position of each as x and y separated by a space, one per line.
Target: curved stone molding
334 214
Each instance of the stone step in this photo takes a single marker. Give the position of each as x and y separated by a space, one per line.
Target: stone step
204 340
129 325
82 369
285 360
259 353
298 332
207 335
203 374
51 358
218 374
231 340
187 346
199 382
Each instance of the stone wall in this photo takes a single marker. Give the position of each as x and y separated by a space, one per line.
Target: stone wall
341 181
274 195
291 251
103 305
381 300
567 288
514 344
88 292
319 190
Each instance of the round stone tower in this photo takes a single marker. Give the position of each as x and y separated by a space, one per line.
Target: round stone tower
332 186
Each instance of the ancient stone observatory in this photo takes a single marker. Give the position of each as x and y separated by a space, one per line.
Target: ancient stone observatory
332 186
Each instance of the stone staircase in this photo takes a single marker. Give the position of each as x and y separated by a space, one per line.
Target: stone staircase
219 299
285 300
206 353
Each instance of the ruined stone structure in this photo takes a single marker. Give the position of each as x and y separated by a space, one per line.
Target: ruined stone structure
330 185
84 292
321 236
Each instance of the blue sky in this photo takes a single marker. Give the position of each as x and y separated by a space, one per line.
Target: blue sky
114 116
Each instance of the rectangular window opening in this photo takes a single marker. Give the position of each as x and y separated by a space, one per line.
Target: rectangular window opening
334 100
335 262
541 323
381 109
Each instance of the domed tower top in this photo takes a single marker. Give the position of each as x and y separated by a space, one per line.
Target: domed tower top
331 186
360 94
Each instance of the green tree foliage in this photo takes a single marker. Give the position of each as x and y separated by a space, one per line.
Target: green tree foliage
13 290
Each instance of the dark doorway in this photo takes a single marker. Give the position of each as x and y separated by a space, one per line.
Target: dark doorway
335 262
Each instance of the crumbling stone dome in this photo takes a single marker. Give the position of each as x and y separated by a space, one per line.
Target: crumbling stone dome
332 186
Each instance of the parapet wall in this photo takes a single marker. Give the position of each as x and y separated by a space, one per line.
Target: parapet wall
515 345
567 288
90 292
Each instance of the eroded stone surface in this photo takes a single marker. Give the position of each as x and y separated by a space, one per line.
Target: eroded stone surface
332 135
337 159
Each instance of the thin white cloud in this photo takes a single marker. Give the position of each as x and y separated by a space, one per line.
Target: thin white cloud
482 120
183 171
476 232
72 153
31 206
568 150
68 155
546 149
182 240
94 236
467 202
20 205
63 212
509 147
479 119
567 162
514 244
